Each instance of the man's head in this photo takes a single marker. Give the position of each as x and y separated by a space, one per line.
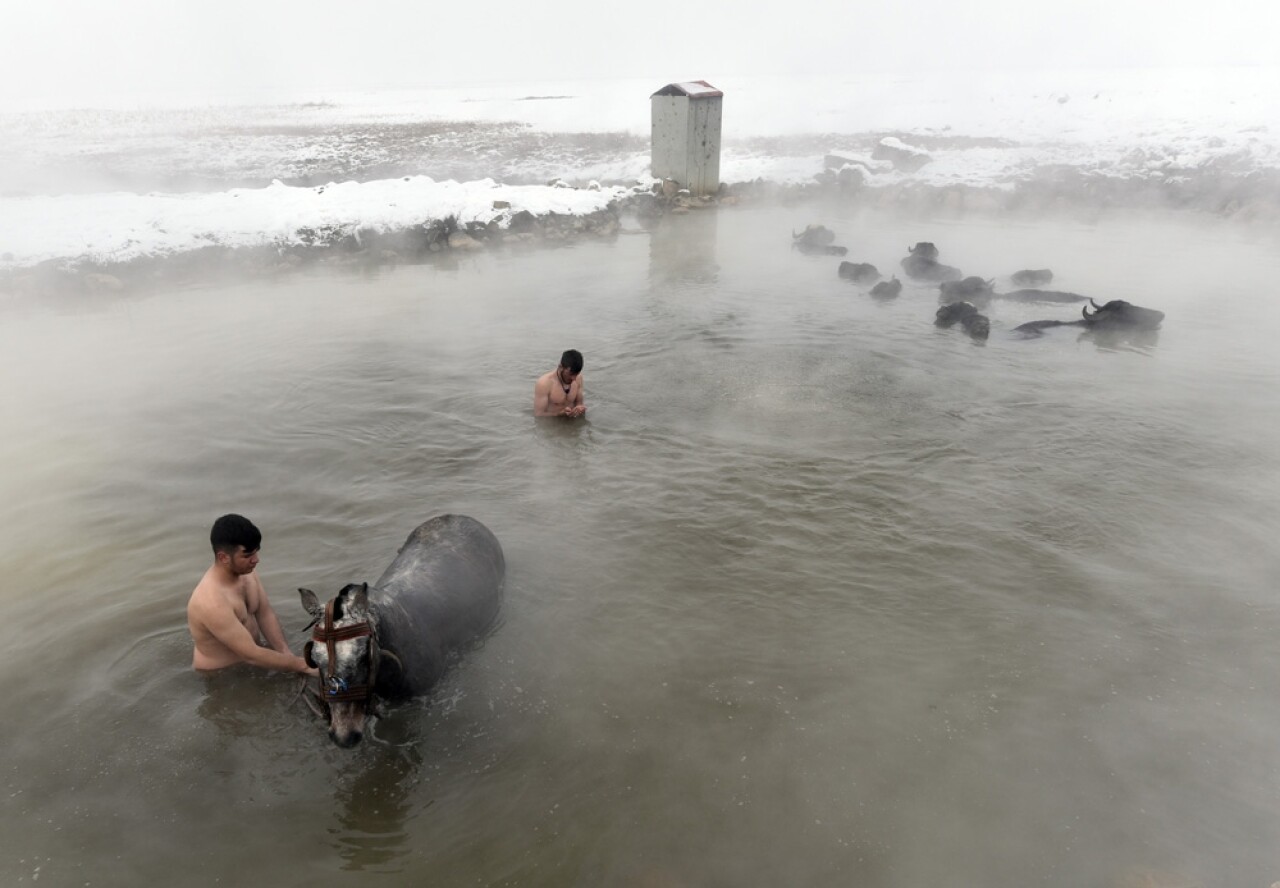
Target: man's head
236 543
572 361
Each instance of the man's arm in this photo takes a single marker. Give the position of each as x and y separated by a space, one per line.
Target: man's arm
222 624
269 623
579 408
542 398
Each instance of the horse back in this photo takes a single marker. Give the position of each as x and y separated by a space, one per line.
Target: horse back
441 592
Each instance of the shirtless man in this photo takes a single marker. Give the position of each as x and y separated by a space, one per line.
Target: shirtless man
230 618
559 393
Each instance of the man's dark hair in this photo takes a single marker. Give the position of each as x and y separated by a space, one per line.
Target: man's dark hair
572 360
232 531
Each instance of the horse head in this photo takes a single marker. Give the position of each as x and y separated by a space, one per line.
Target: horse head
344 648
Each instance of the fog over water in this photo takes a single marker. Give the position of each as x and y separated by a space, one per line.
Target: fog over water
818 594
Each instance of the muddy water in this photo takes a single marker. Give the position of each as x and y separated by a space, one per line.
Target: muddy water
819 594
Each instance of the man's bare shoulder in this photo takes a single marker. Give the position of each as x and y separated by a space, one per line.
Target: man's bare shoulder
208 583
206 595
216 592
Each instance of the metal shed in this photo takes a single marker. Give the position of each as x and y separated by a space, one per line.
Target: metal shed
685 138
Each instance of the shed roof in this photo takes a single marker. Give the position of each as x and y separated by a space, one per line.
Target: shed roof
694 89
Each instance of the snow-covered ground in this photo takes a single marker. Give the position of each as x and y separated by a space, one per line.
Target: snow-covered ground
148 175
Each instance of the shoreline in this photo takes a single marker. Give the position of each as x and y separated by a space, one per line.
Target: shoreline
1252 200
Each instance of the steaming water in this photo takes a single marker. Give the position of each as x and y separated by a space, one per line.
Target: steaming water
819 594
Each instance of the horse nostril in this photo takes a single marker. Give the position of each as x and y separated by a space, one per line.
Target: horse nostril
345 741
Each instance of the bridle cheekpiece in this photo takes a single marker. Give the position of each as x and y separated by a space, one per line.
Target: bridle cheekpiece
336 690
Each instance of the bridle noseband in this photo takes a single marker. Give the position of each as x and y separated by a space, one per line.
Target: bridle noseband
335 690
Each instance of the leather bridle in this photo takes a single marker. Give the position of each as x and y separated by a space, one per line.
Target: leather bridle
336 690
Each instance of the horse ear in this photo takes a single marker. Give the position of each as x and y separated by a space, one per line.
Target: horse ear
360 598
310 603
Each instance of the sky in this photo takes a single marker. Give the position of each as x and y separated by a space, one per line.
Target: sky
72 50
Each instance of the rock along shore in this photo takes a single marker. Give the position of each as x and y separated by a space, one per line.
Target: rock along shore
1250 200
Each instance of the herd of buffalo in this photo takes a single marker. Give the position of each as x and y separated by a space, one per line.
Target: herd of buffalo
963 298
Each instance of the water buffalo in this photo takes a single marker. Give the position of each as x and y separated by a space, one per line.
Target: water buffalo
965 314
815 236
923 264
887 289
924 250
817 240
392 641
858 272
828 250
971 289
1032 277
1114 315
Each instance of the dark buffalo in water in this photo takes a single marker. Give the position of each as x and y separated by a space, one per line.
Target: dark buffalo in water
1032 277
924 250
1040 296
965 314
829 250
923 264
971 289
393 640
1115 315
887 289
814 236
858 272
817 240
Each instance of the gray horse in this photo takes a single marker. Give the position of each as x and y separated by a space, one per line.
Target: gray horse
392 640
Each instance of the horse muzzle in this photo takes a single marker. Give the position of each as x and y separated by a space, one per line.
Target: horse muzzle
347 723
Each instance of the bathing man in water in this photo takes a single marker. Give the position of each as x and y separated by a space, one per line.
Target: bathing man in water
230 618
559 393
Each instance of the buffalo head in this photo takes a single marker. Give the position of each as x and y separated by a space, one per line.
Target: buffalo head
923 250
1118 313
965 314
887 289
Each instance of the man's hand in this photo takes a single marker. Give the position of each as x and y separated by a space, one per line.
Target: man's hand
300 665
